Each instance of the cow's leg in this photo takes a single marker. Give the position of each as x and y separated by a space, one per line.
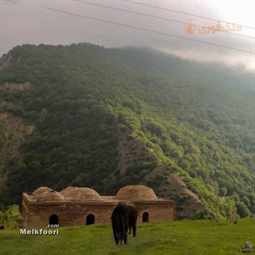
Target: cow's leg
115 231
116 237
126 230
129 229
134 230
122 238
125 238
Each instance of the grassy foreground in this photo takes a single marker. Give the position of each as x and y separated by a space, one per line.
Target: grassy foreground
175 238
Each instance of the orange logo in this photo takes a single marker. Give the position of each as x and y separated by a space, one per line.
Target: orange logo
191 28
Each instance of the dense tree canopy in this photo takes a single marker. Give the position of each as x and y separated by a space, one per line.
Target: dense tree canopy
83 105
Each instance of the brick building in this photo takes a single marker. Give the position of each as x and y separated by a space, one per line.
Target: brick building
79 205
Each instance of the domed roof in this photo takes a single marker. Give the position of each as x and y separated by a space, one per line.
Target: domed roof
80 194
50 196
41 190
136 192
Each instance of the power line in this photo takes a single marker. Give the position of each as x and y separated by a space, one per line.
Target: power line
150 16
128 11
105 21
8 1
183 12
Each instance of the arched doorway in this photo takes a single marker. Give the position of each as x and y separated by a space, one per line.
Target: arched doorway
90 219
53 220
145 217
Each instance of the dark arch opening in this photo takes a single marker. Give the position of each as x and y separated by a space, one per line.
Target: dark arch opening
90 219
53 220
145 217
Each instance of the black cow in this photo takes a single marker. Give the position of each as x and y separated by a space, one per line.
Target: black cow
123 219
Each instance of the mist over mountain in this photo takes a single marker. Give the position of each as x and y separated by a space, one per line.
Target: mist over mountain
159 24
107 117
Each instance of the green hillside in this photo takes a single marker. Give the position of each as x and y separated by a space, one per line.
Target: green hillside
176 238
104 118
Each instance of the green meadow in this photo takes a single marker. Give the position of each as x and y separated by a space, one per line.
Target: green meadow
176 238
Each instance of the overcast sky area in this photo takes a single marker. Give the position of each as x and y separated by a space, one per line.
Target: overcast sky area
29 21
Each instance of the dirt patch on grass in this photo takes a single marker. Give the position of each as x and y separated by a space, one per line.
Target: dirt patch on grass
15 87
15 123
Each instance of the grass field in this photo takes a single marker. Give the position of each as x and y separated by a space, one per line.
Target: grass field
175 238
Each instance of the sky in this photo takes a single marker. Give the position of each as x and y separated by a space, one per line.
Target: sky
146 23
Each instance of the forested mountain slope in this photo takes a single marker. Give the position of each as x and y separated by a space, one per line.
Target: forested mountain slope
90 116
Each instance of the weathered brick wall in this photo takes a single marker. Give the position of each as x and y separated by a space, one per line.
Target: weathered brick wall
157 212
37 215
